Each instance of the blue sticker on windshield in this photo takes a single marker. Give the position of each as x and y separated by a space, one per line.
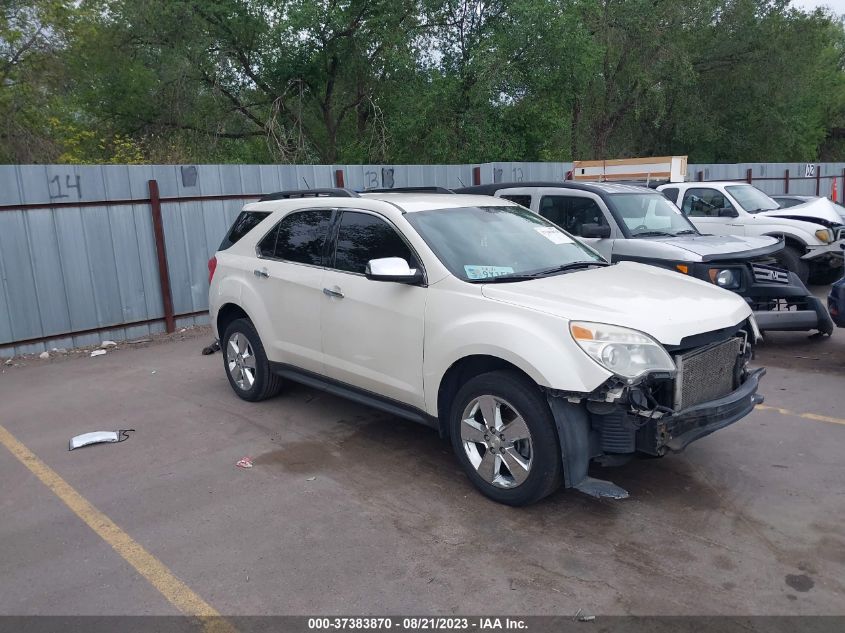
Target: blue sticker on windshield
485 272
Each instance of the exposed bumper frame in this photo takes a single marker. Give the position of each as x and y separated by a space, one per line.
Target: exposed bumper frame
689 425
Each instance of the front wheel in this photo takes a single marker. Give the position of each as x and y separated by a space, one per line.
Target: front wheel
246 364
790 258
503 434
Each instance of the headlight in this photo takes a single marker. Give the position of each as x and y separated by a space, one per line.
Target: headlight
724 278
627 353
825 235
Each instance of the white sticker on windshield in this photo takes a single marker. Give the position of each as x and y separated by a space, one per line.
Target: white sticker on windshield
553 235
485 272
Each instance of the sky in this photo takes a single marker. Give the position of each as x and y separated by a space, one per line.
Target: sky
838 6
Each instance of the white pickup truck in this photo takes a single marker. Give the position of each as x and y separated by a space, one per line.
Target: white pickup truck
814 232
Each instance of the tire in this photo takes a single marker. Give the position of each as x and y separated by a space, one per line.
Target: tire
826 276
486 461
790 258
240 343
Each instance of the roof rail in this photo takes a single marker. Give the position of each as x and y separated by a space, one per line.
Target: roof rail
410 190
334 192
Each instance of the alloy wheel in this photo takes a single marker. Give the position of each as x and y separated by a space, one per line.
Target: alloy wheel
240 360
497 441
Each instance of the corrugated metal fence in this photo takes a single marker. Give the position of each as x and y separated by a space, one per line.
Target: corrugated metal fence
78 244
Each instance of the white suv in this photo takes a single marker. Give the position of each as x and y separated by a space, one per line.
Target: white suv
485 321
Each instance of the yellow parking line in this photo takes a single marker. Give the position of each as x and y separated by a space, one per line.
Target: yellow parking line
806 416
157 574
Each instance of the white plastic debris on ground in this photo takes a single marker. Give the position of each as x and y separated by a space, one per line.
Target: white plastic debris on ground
44 355
98 352
107 344
244 462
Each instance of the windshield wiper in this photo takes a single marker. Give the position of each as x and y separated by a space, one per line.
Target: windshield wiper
652 233
500 279
686 232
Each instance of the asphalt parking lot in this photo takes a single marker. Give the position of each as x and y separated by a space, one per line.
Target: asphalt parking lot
350 511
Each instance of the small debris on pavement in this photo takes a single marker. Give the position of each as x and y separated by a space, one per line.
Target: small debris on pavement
184 329
107 344
44 355
98 352
583 617
245 462
59 350
98 437
9 362
140 340
310 479
214 347
153 371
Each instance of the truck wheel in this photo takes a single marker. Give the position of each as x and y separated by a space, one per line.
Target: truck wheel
790 258
827 275
504 437
246 363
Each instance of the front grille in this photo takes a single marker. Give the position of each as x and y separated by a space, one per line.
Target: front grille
706 373
770 274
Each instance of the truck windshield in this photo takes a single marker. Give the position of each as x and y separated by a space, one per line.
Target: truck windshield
505 243
751 198
649 214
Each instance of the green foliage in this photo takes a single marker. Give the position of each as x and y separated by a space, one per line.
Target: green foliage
418 81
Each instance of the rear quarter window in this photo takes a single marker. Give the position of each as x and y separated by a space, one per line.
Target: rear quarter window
243 224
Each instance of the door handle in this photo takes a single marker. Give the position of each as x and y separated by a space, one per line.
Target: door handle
331 292
261 273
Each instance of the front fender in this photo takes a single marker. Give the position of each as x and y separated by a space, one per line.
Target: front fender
539 344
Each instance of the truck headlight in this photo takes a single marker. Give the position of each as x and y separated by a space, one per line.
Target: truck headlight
625 352
724 278
825 235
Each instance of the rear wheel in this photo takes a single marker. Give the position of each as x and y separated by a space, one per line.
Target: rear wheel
504 437
790 258
246 364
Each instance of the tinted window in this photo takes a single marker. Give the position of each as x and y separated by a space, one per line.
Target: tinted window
362 237
267 246
525 201
704 203
671 193
571 213
243 224
300 237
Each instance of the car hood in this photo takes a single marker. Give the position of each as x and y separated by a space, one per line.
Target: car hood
820 209
664 304
720 247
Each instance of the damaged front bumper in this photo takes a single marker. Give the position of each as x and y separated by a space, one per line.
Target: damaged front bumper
676 431
612 425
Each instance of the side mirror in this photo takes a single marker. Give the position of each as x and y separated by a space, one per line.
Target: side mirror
392 269
727 212
601 231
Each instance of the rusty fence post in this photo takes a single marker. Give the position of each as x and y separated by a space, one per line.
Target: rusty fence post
161 254
699 176
818 179
748 175
476 175
338 178
786 181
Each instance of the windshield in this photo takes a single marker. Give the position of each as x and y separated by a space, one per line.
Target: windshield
480 243
751 198
649 214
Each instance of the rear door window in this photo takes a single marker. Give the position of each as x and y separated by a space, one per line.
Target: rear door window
520 199
299 237
243 224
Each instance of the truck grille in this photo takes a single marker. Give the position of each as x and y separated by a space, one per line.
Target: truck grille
769 274
706 373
